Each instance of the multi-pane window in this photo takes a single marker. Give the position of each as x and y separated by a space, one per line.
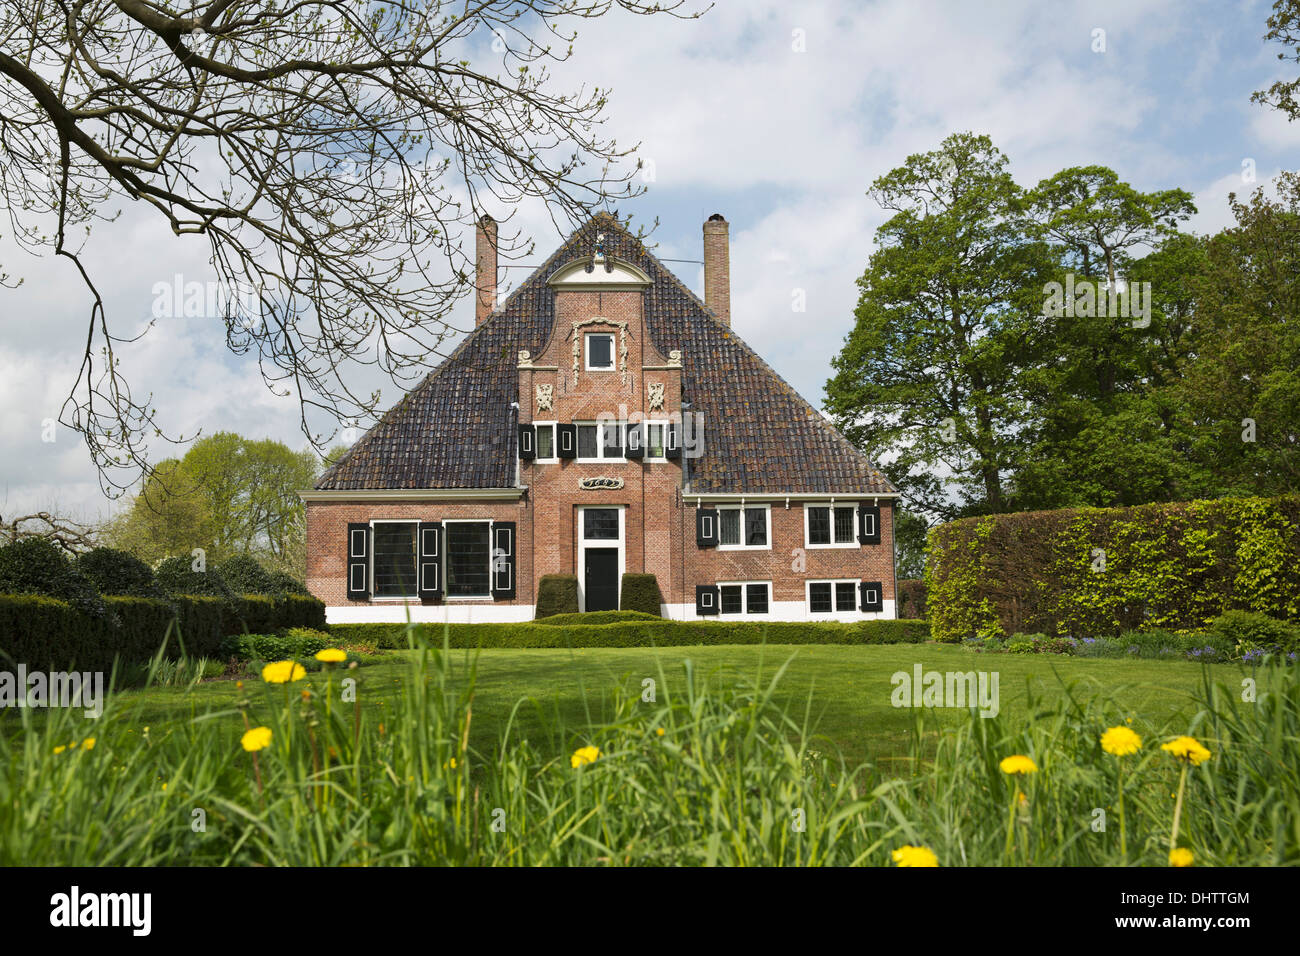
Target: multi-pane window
742 527
831 526
468 558
600 351
819 597
395 559
827 596
545 441
600 524
743 598
604 440
654 444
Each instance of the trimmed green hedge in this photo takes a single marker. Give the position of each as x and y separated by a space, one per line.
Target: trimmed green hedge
1093 572
640 592
557 594
661 633
597 617
48 634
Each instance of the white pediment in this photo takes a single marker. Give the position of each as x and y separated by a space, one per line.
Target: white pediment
610 275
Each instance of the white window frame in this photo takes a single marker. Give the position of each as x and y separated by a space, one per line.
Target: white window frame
446 560
586 352
807 526
744 599
742 546
370 561
807 596
600 441
584 542
555 443
645 438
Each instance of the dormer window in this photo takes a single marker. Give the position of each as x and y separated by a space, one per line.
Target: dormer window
600 351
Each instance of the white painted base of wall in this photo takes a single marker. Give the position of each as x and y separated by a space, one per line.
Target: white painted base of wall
515 613
780 611
451 613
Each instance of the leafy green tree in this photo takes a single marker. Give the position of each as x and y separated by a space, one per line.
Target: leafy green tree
1242 392
1284 27
929 377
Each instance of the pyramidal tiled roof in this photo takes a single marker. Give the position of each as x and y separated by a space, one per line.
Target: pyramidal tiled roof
455 429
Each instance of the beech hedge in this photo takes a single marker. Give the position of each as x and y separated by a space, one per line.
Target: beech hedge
1093 572
661 633
49 634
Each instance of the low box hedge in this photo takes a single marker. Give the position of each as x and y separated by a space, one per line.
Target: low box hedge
640 592
661 633
557 594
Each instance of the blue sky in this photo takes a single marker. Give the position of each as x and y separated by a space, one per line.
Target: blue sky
776 115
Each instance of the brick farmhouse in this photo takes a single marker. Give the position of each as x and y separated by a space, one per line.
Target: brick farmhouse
603 420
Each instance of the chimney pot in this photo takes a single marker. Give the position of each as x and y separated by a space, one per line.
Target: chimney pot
717 268
485 279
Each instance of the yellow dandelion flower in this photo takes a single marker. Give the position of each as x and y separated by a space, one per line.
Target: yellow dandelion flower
60 749
88 743
1120 741
1180 856
259 738
450 764
1189 749
1018 763
915 856
584 755
659 731
164 784
283 672
331 655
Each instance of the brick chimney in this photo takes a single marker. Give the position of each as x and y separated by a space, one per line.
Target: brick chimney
485 281
717 269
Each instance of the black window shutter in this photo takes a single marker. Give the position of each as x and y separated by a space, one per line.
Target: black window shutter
634 443
566 438
873 596
869 525
527 442
503 559
706 599
430 559
358 546
706 527
673 445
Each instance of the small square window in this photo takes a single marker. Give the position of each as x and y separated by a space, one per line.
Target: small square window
843 525
756 527
613 442
819 597
587 447
756 598
731 599
846 596
600 351
819 525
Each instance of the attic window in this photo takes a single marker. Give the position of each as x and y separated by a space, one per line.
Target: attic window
600 351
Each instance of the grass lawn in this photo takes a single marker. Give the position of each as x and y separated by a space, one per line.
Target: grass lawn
844 690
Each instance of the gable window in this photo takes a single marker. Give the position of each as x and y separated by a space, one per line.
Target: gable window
827 596
828 527
654 442
744 597
600 351
395 558
743 527
469 559
600 441
546 442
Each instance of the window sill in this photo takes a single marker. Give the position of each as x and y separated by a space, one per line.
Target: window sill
837 547
744 547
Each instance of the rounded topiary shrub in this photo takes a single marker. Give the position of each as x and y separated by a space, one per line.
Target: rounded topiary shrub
177 576
243 575
557 594
119 573
37 566
640 593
